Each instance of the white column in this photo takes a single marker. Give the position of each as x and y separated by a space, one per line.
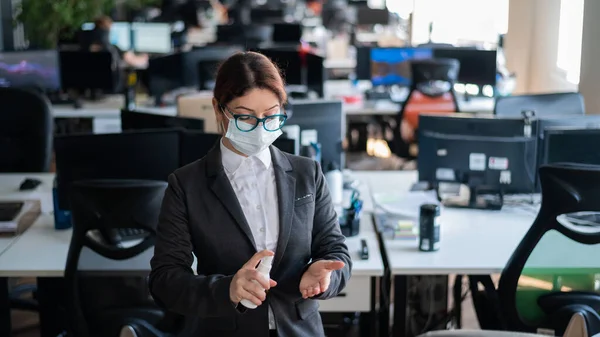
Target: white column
531 46
589 82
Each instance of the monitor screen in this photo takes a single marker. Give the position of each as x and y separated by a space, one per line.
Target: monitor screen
571 145
391 66
120 35
504 163
137 120
287 32
328 119
30 69
195 145
476 66
152 37
87 26
288 61
151 155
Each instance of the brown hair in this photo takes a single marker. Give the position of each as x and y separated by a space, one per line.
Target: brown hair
103 22
246 71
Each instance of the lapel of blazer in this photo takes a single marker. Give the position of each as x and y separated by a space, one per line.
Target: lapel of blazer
221 187
286 191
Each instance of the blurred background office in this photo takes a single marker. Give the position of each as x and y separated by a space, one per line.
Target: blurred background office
403 86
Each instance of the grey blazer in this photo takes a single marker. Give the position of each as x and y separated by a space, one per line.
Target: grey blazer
201 215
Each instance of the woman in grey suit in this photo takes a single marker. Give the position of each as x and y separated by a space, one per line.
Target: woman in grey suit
244 201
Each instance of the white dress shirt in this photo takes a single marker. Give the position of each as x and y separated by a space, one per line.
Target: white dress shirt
253 181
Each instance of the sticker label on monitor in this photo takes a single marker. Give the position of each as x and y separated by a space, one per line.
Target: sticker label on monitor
445 174
477 162
505 178
498 163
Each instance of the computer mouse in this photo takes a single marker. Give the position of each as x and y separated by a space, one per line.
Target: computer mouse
29 184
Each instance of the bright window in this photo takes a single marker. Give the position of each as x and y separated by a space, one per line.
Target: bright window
460 22
570 31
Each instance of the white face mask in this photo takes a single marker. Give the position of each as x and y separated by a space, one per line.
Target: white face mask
251 142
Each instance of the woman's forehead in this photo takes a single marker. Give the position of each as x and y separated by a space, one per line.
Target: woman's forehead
258 100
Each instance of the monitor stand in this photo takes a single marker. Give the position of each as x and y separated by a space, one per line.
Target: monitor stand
493 201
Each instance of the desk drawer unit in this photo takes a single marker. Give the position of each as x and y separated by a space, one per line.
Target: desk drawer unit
356 297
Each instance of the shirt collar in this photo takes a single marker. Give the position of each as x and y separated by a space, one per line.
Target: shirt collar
232 161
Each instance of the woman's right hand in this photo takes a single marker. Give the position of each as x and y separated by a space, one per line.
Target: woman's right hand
243 286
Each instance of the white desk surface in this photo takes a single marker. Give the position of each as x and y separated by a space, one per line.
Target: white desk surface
475 241
42 250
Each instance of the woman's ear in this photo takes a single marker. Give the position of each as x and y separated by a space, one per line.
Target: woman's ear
218 115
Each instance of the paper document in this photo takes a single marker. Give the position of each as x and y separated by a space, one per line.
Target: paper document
404 204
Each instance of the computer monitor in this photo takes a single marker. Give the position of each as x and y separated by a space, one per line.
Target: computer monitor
328 119
554 122
286 145
205 60
372 16
87 70
37 70
478 150
363 63
139 120
267 15
316 75
289 61
487 165
287 33
120 35
151 37
173 71
207 74
87 26
476 124
476 66
195 145
149 155
571 145
165 73
391 66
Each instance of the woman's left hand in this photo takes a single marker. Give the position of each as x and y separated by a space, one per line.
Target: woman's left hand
316 279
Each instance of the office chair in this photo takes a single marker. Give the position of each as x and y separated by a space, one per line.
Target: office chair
562 103
431 91
532 295
26 128
101 306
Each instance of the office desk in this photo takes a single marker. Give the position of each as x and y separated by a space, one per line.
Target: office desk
472 242
42 251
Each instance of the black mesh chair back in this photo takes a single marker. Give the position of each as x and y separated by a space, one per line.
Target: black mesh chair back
432 80
554 272
426 72
103 205
26 128
562 103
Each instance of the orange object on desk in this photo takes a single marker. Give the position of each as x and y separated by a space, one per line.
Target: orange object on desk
419 103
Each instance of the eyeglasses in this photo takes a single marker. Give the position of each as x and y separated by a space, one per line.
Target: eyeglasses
247 123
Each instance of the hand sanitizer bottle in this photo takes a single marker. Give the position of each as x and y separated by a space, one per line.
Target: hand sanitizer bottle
264 269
